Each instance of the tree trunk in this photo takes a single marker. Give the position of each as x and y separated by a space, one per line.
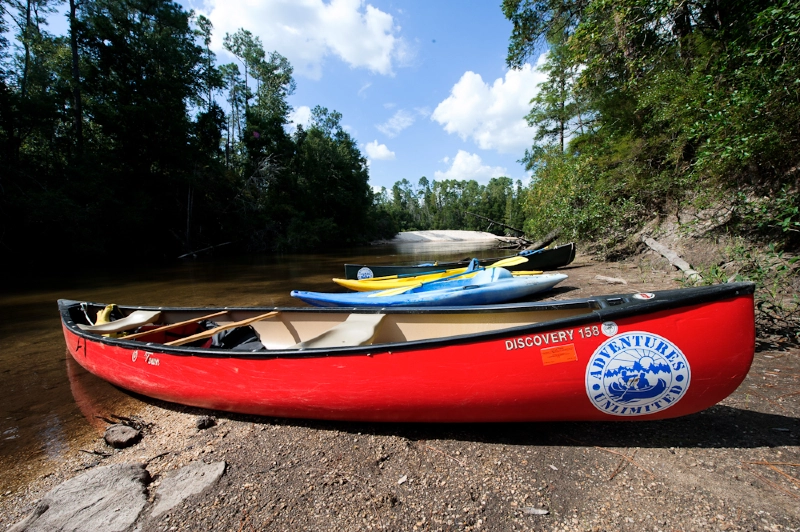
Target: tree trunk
76 78
26 36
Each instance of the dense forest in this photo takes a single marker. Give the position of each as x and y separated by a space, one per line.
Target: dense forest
455 204
126 136
114 142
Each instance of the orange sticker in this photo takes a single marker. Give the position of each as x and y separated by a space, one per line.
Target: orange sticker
559 354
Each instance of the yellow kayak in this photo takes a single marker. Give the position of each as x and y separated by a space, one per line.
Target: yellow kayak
393 281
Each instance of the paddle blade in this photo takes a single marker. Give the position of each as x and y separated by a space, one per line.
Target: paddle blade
511 261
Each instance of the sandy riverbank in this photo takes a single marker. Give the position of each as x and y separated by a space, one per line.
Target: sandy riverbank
444 236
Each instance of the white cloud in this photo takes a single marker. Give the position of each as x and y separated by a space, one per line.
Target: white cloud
401 120
397 123
299 116
468 166
492 116
363 90
378 152
308 31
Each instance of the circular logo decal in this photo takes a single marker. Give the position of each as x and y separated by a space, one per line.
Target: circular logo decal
636 373
609 328
364 273
134 355
644 295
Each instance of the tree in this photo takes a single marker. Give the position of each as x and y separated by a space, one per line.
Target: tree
210 75
143 73
331 177
236 90
249 50
77 101
557 112
270 112
494 200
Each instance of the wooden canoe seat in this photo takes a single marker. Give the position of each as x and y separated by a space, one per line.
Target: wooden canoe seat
357 329
135 319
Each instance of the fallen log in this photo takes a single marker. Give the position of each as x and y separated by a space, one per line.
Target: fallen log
491 222
674 259
546 241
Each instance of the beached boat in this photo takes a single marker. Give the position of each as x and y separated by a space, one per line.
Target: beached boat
623 357
399 281
408 280
541 259
486 287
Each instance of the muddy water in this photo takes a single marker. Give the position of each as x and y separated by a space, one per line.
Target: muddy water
49 405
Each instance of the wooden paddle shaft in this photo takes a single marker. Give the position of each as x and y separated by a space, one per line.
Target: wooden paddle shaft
175 325
211 332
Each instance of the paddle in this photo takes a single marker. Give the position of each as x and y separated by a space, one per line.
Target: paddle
400 276
511 261
175 325
211 332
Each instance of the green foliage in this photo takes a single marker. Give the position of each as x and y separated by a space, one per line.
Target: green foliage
687 100
454 204
118 127
775 274
559 110
573 195
775 217
330 184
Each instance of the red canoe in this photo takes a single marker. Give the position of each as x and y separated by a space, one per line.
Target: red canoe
624 357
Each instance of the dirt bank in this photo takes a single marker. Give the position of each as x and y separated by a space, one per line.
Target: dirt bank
732 467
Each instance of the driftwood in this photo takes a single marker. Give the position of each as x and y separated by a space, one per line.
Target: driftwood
194 253
546 241
493 222
673 259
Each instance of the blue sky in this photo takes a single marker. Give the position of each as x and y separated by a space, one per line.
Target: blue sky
422 85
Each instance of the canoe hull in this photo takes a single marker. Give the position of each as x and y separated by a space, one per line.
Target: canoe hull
546 259
534 373
464 293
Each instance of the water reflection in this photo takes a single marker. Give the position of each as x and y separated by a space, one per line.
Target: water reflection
47 404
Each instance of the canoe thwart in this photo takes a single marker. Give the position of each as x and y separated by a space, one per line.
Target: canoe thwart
175 325
211 332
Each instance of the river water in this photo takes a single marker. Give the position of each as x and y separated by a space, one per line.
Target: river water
45 409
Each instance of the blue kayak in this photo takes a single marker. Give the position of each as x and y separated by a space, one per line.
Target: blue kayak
491 286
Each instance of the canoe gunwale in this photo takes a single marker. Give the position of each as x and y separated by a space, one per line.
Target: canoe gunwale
603 308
